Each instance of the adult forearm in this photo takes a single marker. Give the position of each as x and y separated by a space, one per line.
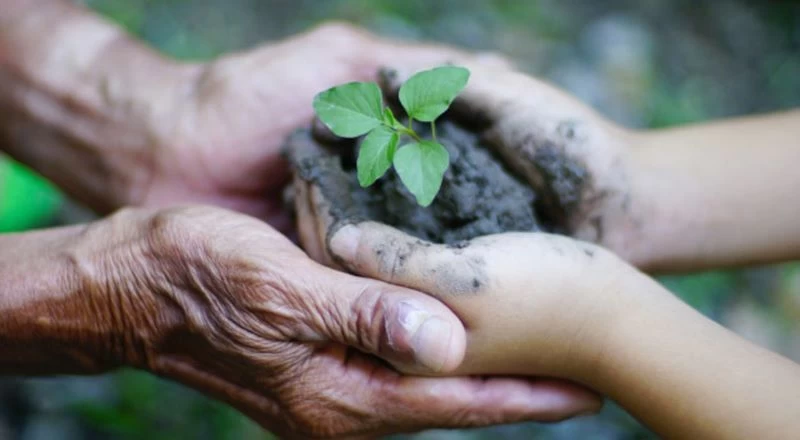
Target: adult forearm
43 317
72 301
687 377
720 194
81 102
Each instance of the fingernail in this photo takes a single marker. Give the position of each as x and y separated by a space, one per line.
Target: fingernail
344 243
430 336
431 343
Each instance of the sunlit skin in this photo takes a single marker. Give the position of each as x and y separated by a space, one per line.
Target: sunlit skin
712 195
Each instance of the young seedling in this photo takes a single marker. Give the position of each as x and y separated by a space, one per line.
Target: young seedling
356 108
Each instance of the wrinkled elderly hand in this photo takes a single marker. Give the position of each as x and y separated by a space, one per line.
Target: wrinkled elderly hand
580 164
113 123
225 145
225 304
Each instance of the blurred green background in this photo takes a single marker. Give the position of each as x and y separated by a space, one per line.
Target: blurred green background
643 63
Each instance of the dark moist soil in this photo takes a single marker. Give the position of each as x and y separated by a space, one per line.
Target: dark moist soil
479 195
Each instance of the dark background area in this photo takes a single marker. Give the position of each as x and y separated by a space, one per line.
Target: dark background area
645 64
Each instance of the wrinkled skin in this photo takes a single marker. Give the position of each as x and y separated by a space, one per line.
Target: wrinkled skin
225 304
215 300
221 142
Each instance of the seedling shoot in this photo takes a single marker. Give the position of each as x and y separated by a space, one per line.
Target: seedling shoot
356 109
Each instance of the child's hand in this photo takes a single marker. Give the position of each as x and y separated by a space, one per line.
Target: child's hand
533 303
581 165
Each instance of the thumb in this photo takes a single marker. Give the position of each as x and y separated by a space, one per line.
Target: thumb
411 330
382 252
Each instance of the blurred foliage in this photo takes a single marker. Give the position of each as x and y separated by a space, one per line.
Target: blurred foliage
147 409
649 63
26 200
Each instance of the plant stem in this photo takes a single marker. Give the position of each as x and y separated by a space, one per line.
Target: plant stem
433 131
411 133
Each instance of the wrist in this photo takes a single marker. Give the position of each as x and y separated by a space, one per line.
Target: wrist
86 105
51 321
645 318
121 266
612 294
642 224
84 299
663 218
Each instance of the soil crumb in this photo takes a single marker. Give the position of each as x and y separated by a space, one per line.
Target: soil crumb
479 195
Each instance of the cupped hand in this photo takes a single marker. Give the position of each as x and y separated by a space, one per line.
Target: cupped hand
532 303
223 145
485 281
225 304
581 165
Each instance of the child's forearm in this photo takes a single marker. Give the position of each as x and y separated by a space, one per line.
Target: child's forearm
687 377
721 194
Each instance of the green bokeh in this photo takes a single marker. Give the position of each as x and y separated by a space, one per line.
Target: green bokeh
26 200
692 65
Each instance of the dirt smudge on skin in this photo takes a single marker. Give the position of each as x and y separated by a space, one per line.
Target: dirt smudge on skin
565 181
465 275
461 274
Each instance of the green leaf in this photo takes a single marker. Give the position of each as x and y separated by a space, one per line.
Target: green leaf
427 95
421 167
376 154
389 119
350 110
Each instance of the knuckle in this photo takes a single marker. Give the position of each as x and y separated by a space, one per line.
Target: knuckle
370 310
176 229
361 321
166 224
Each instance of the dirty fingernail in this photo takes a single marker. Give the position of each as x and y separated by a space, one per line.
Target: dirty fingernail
344 243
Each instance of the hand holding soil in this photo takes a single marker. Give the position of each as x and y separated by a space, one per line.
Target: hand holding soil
479 198
225 304
534 303
576 162
492 282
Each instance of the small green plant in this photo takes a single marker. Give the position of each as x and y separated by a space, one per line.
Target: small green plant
354 109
